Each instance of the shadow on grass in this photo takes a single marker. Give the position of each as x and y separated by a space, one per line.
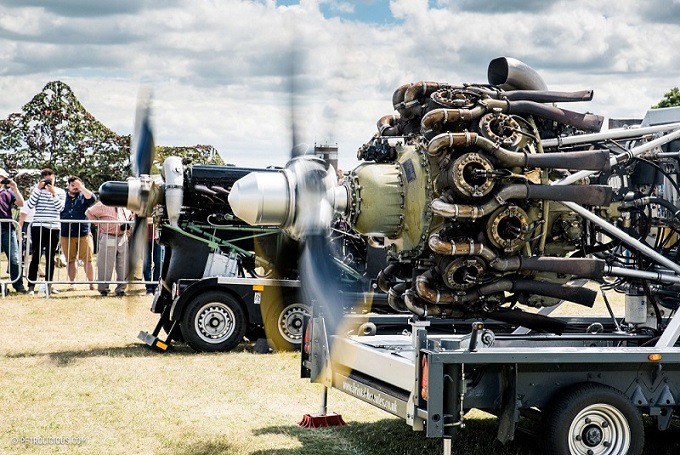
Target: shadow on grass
205 448
65 358
394 437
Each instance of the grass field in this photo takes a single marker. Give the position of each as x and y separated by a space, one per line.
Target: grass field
75 380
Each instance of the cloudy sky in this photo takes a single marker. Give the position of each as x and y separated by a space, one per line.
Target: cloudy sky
222 70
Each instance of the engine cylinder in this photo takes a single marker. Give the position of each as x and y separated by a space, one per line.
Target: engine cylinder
466 177
461 273
501 129
508 227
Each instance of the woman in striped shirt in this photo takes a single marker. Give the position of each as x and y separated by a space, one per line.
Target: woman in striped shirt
48 202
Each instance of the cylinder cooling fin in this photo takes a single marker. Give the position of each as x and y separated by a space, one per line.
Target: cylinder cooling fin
502 129
470 176
507 228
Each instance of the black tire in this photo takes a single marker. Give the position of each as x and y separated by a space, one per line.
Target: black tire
283 323
213 321
594 419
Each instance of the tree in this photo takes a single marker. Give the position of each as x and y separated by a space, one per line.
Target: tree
670 99
198 154
54 130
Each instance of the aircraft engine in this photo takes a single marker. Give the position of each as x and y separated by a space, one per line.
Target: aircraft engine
488 195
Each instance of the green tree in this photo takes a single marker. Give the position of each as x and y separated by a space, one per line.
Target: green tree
54 130
670 99
198 154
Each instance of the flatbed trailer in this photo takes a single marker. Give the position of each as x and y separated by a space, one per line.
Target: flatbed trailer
590 385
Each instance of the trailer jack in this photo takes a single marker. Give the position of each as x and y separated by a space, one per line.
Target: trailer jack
152 339
323 419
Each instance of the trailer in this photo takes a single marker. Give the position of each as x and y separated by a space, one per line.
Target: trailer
215 313
588 386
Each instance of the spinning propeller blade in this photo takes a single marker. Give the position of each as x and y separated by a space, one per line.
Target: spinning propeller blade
142 152
142 141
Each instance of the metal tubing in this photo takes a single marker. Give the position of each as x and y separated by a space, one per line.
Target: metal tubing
611 134
670 334
324 401
644 275
635 151
618 233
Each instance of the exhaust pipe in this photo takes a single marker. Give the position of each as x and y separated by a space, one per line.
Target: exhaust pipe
587 159
580 295
596 195
512 74
583 267
529 320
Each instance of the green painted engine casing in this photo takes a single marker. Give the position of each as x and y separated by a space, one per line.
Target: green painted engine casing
392 201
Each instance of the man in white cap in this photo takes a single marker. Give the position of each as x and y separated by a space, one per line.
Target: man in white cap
9 196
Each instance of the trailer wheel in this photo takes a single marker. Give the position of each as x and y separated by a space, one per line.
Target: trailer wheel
283 324
594 419
213 321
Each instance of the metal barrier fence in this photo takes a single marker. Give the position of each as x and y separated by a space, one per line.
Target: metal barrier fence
10 259
49 263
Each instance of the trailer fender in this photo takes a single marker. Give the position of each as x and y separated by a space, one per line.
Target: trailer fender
242 294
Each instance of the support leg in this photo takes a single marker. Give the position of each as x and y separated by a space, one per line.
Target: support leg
447 446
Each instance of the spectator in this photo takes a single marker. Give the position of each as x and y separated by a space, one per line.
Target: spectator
152 260
112 244
25 220
48 202
76 239
10 195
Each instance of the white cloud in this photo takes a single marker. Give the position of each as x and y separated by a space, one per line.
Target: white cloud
221 70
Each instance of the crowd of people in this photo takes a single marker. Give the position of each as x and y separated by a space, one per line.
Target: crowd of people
61 219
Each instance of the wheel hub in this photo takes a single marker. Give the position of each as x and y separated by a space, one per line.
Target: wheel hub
290 322
599 429
592 435
215 322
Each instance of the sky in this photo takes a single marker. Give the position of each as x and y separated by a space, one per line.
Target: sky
238 74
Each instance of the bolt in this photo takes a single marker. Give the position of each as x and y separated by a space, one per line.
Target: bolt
605 424
578 437
590 452
606 443
588 420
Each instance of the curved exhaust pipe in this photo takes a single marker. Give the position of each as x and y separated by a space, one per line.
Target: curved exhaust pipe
512 74
596 195
388 125
583 267
596 160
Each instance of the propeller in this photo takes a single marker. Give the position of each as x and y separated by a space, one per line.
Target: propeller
142 154
139 193
301 199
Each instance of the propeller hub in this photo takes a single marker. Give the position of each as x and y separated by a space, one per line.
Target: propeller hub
264 199
300 199
114 194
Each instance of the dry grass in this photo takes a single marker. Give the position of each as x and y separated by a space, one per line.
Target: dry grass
73 368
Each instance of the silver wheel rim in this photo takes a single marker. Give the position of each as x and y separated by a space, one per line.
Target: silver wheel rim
599 429
290 322
214 322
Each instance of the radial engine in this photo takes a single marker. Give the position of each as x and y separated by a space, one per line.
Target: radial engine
489 195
